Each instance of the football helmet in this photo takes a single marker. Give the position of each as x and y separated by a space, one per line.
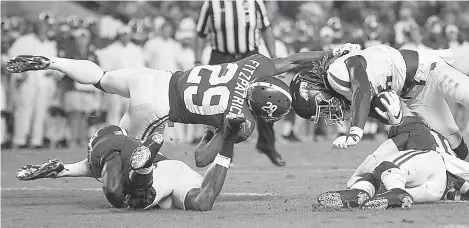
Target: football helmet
103 131
312 103
268 98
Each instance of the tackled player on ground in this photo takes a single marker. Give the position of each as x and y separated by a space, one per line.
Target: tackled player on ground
133 176
416 164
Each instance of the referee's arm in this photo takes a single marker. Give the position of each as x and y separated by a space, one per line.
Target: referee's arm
202 30
266 27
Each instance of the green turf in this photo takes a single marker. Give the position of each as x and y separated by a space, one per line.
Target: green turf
256 194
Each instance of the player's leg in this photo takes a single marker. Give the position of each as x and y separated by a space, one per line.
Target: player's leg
148 105
362 189
425 177
393 179
436 113
87 72
387 148
54 168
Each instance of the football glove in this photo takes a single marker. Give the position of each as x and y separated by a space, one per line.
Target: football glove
392 103
345 141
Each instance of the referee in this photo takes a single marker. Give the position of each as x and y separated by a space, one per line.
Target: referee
233 27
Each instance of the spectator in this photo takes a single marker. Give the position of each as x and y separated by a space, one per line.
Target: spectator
34 89
160 51
403 26
435 38
452 36
414 38
122 53
80 100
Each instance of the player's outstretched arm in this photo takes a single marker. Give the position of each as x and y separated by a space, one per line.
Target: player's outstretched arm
299 60
305 59
202 199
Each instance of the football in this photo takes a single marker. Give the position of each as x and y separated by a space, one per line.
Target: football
376 101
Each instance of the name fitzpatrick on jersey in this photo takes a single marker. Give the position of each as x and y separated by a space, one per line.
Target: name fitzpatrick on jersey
244 79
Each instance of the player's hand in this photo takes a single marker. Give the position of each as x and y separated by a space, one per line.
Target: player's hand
392 102
233 125
345 49
345 141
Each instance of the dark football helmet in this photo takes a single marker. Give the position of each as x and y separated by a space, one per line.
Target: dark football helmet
268 98
103 131
312 103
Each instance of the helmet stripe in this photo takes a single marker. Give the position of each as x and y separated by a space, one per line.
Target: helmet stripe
276 87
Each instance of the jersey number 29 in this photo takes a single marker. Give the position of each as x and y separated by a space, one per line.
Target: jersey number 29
216 87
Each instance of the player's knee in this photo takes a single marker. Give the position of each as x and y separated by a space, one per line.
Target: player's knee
381 168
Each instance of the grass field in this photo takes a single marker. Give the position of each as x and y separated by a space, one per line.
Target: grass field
256 194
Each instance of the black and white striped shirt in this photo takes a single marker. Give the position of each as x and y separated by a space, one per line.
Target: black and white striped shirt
233 25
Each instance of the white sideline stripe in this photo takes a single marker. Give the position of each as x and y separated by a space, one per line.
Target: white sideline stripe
239 169
100 189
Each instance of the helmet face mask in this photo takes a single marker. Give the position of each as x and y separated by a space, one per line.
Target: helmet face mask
327 107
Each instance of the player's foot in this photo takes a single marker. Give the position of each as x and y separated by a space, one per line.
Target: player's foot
24 63
49 169
393 198
274 156
350 198
142 156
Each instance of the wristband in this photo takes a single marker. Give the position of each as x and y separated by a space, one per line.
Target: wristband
223 161
356 131
198 62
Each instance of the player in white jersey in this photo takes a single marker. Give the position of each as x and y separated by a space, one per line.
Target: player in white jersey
411 166
344 86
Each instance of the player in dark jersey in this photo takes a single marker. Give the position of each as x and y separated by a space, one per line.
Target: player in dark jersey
163 182
202 95
411 166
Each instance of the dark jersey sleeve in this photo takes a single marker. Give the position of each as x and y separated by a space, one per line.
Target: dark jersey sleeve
412 134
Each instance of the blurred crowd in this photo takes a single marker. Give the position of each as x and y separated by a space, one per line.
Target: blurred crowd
46 108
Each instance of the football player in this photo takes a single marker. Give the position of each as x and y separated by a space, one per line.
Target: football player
344 86
201 95
411 166
161 182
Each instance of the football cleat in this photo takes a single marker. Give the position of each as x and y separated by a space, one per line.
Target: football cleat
390 199
24 63
140 157
350 198
49 169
